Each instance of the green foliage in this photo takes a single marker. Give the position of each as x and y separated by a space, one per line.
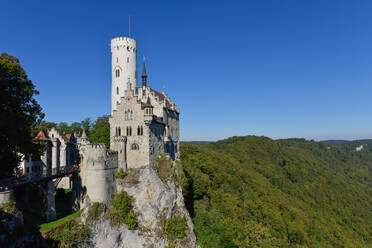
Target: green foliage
256 192
176 227
70 234
100 131
95 211
171 245
163 167
121 210
121 174
19 113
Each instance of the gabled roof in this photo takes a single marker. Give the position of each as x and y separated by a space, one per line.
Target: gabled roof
41 136
158 94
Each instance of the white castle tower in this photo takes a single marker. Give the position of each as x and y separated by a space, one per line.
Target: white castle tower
124 67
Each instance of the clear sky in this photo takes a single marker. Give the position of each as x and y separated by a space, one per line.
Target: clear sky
274 68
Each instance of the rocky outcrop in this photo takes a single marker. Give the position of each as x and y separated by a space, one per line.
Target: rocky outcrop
155 202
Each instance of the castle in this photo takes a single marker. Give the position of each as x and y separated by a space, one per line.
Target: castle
144 124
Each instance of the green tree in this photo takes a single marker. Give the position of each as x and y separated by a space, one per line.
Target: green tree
19 114
100 131
86 124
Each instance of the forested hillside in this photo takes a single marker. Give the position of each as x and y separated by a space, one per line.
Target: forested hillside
257 192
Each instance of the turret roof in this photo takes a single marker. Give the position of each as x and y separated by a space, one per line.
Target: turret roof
41 136
144 74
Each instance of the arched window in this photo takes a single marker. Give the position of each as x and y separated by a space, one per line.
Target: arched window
138 131
130 131
141 130
117 73
134 146
119 131
117 90
127 131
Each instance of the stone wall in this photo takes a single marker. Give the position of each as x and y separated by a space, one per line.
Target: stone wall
6 196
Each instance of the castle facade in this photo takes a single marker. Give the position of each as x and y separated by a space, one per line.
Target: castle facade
144 124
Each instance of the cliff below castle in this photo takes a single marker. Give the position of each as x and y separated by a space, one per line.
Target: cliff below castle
151 207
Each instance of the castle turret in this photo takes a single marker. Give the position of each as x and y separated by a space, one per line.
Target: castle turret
148 108
124 66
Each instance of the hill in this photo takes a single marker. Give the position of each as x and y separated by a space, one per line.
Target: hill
198 143
257 192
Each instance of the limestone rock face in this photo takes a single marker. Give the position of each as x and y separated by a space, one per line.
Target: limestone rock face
155 202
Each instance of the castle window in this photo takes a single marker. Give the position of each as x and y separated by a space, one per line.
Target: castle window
119 131
117 73
130 131
127 59
117 60
138 131
127 131
134 146
117 90
141 130
128 48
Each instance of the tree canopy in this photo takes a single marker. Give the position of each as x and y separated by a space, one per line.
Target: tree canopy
19 113
257 192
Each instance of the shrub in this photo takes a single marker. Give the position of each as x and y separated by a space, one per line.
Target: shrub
121 210
70 234
121 174
163 167
176 227
95 211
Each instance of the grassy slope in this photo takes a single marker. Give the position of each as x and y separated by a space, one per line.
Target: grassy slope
246 191
50 225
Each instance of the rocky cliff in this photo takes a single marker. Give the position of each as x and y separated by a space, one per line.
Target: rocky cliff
160 211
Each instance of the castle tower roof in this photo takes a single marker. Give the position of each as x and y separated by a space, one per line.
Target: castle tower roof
144 74
148 103
84 135
41 136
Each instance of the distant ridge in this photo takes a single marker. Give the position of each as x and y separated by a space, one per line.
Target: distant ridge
335 142
198 143
343 142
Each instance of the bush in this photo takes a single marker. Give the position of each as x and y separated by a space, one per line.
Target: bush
164 169
95 211
70 234
176 227
121 174
121 210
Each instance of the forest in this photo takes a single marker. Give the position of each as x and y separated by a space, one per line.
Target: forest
258 192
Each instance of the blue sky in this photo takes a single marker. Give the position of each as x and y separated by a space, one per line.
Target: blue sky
274 68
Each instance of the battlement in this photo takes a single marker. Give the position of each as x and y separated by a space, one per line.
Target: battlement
127 43
110 153
99 146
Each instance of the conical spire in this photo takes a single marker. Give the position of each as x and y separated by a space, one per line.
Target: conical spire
84 135
144 70
148 102
144 74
